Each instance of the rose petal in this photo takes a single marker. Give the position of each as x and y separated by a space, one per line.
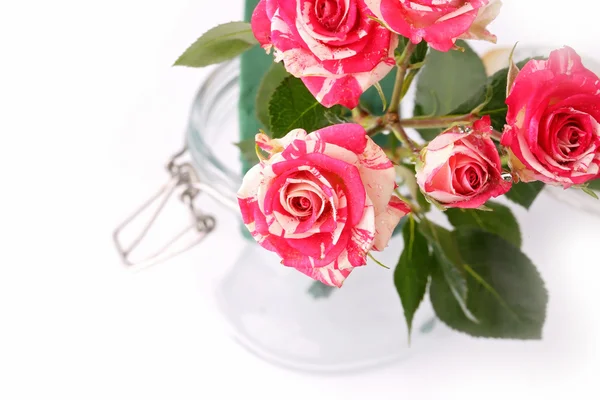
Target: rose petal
352 137
485 16
438 23
387 220
261 24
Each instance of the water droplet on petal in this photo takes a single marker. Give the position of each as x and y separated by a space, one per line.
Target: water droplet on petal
507 177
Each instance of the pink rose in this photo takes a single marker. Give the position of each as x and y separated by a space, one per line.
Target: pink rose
322 201
439 22
552 130
461 167
332 45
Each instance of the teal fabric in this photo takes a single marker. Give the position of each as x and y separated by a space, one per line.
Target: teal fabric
254 64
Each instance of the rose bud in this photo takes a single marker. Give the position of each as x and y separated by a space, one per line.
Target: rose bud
461 167
552 130
322 201
332 45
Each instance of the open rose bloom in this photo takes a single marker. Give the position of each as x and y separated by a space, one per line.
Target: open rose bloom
332 45
553 131
461 167
439 22
322 200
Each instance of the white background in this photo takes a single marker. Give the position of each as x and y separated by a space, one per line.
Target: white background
89 111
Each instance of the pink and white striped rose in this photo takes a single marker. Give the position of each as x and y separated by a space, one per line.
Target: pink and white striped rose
461 167
438 22
332 45
322 200
553 121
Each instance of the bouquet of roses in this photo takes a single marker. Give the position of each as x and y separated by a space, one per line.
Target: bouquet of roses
338 168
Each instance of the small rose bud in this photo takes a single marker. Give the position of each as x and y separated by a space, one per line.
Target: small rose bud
461 168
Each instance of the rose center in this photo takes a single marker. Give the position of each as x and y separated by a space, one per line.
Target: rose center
568 139
472 176
329 13
469 177
301 203
567 135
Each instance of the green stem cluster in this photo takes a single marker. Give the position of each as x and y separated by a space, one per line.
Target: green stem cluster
392 117
392 120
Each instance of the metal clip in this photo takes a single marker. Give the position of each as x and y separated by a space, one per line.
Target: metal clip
184 182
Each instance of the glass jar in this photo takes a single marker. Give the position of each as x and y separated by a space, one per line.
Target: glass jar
275 311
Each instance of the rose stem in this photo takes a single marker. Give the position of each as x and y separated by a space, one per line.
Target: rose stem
374 130
437 122
403 137
400 76
393 114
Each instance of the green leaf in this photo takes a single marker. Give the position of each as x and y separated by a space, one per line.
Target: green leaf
219 44
524 194
248 151
590 192
412 271
292 106
494 93
379 89
448 264
272 79
447 79
500 221
506 293
595 185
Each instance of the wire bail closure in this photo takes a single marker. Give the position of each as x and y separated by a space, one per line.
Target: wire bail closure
184 184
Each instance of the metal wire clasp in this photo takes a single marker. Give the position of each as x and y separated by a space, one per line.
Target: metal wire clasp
184 184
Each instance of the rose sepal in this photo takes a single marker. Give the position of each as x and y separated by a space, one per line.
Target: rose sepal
513 71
